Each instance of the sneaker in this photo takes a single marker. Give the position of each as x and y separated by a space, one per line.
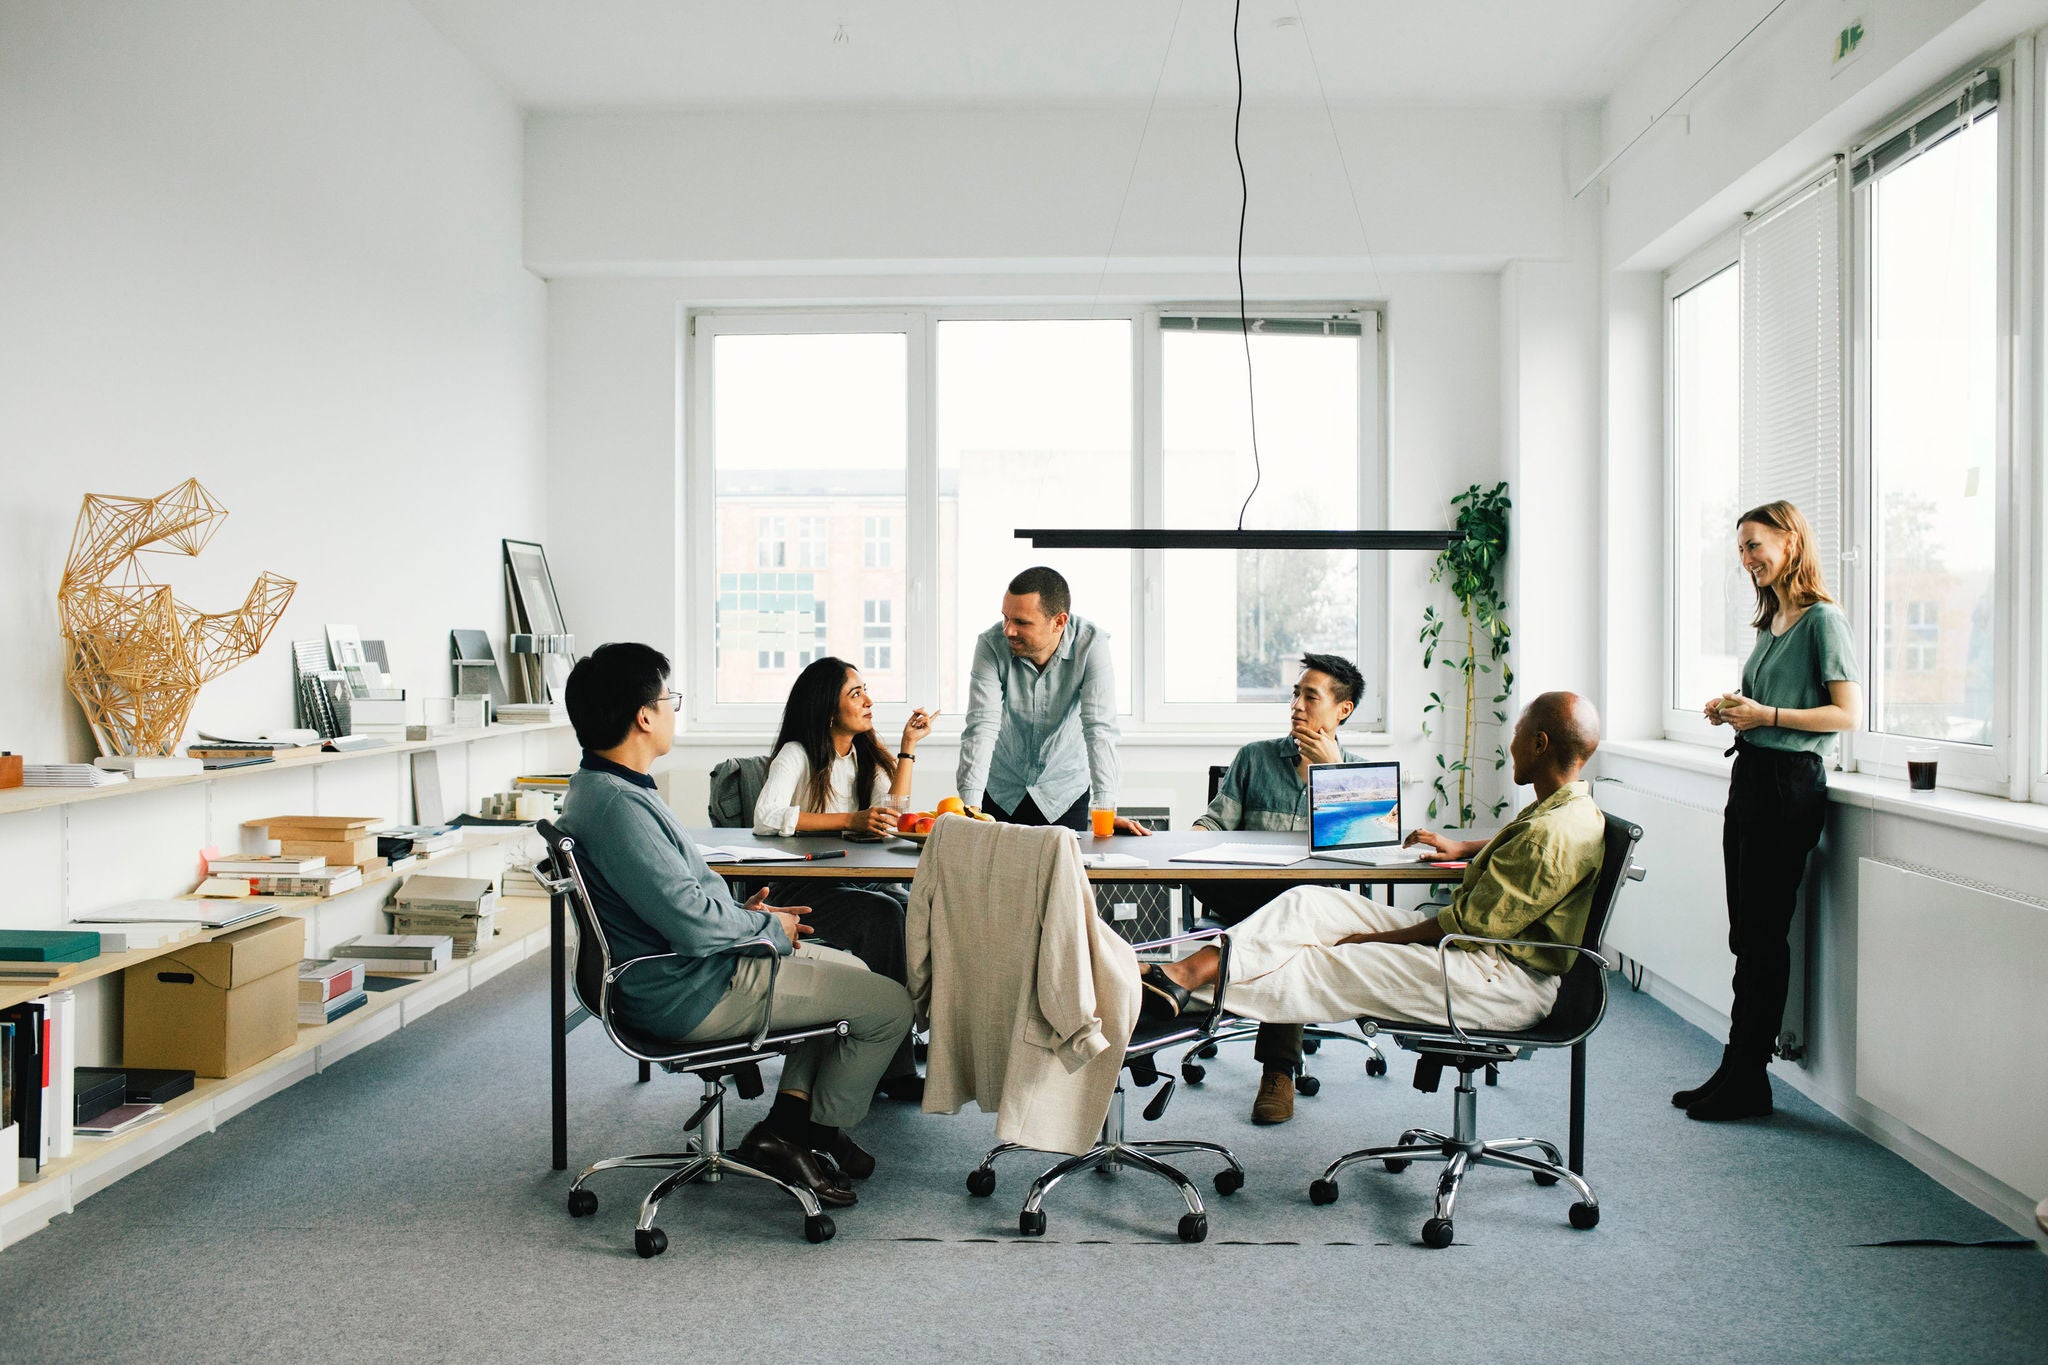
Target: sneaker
1275 1102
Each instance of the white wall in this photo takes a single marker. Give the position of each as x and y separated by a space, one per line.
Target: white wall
275 246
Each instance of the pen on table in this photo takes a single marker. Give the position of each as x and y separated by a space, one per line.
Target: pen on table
821 857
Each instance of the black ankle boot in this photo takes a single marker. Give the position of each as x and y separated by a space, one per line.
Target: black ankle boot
1685 1099
1744 1093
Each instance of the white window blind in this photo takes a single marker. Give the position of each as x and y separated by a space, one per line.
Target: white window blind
1792 362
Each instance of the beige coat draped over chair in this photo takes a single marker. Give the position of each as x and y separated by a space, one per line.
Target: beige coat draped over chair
1029 996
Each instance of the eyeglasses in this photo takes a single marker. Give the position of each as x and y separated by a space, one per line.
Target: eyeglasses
675 700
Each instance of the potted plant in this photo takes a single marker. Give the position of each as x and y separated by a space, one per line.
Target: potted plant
1472 568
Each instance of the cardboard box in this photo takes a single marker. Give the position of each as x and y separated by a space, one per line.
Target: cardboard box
219 1007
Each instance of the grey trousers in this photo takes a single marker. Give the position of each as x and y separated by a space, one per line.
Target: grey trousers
817 985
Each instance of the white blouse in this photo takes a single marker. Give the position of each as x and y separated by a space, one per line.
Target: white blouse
789 776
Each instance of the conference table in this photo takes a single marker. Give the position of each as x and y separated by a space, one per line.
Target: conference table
1130 858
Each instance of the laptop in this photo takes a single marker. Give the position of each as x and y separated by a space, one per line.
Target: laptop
1354 815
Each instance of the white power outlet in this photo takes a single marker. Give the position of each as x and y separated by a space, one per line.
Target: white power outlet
1123 910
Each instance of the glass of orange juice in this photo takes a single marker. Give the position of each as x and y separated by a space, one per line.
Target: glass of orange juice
1102 821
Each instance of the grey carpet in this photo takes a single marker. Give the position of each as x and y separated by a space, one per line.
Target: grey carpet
401 1204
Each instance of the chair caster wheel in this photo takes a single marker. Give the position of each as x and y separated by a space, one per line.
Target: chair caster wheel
1193 1074
1322 1191
1229 1180
1194 1227
1208 1051
1031 1222
649 1242
981 1182
1542 1179
1308 1085
818 1227
1437 1233
1584 1215
582 1203
1375 1066
1311 1045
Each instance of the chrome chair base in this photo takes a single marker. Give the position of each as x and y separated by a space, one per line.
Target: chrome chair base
1111 1153
1460 1151
702 1161
1193 1072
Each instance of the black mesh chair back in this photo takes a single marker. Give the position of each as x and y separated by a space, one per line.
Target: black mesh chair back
1582 995
1217 772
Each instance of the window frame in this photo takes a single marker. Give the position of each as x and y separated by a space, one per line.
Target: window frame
1994 769
1723 253
916 540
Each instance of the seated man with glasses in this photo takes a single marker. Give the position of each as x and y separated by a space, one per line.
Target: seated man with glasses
1267 788
655 897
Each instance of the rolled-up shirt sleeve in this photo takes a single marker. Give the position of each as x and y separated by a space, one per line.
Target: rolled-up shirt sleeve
776 809
984 724
1099 729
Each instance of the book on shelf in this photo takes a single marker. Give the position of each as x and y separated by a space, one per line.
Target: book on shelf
324 978
216 765
210 914
327 1011
336 851
424 838
29 1030
145 1085
68 775
542 782
267 864
129 938
268 741
348 744
255 749
36 973
529 712
468 933
150 765
399 954
48 945
458 895
118 1120
328 881
95 1091
225 887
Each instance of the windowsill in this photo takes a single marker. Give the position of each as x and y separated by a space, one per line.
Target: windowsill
2023 821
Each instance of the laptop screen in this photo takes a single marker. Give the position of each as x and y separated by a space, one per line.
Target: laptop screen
1354 805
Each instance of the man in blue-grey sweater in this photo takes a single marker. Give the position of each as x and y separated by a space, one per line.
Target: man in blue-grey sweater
656 898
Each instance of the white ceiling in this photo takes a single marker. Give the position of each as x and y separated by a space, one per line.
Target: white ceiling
613 54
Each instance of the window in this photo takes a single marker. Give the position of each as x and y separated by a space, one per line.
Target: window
876 535
1931 281
1712 604
926 438
1238 621
876 636
785 481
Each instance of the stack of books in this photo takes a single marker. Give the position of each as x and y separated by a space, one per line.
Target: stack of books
329 987
399 954
527 712
399 841
463 908
322 882
128 938
520 881
341 840
150 765
45 954
68 775
264 864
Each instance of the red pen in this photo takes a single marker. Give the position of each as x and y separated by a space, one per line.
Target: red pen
821 857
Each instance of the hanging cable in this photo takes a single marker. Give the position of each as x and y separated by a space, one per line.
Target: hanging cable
1244 200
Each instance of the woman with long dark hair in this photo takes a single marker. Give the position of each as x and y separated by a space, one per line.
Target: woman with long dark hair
828 774
1799 690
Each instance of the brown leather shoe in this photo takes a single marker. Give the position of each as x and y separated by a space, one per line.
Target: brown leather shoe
850 1156
783 1159
1275 1102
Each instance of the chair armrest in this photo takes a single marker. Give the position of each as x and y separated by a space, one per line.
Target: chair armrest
774 969
1443 946
1222 940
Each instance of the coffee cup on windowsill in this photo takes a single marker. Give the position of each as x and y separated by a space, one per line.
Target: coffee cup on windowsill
1921 762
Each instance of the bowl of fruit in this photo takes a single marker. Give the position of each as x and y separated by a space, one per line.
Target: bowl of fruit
916 826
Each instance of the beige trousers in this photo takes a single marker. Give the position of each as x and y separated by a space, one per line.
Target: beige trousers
818 985
1285 968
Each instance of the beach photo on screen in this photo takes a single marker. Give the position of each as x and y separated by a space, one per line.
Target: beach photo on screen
1357 805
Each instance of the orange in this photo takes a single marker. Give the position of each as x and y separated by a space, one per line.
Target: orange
952 805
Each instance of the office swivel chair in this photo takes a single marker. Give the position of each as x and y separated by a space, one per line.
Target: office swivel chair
715 1063
1237 1030
1581 1004
1113 1150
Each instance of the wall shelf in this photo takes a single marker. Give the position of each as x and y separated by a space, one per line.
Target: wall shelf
96 1163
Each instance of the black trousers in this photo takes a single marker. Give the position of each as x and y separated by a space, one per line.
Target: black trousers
1278 1046
865 919
1777 806
1027 813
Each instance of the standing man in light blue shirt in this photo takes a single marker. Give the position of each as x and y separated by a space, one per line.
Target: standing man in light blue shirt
1039 746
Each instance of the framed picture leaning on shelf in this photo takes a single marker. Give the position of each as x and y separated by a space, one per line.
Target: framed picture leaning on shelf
533 589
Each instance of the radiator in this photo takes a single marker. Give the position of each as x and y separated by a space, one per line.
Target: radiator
1142 911
1676 923
1951 1037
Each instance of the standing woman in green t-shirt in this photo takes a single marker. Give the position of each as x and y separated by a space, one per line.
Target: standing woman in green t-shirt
1799 689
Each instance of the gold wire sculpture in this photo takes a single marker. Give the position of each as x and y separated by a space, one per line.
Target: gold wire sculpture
138 657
